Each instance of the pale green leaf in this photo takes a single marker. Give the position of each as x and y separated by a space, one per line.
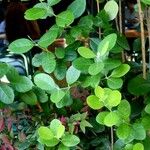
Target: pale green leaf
53 2
99 92
86 52
35 13
120 71
96 68
72 75
114 83
111 119
138 146
21 46
6 94
111 8
77 7
94 102
101 116
44 81
65 18
147 108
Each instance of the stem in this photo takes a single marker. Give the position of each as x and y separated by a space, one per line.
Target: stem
120 26
98 10
112 139
142 38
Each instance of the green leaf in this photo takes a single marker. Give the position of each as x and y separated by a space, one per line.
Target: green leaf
107 44
49 10
45 133
124 109
84 124
113 99
94 102
3 69
139 86
99 92
20 83
57 95
60 71
82 64
29 98
44 81
50 142
138 146
53 2
86 52
77 7
70 140
72 75
60 53
138 131
96 68
111 119
6 94
41 94
21 46
48 62
123 131
111 63
147 2
63 147
49 37
65 18
147 108
57 128
101 116
114 83
120 71
146 122
35 13
111 8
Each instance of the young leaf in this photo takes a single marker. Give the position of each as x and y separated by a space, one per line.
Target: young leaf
57 95
111 119
64 19
70 140
107 44
49 37
72 75
124 109
111 7
123 131
57 128
21 46
77 7
113 99
120 71
99 92
96 68
101 116
45 133
6 94
44 81
35 13
94 102
86 52
138 146
84 124
114 83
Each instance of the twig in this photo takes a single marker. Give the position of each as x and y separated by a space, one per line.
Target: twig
142 38
112 139
98 10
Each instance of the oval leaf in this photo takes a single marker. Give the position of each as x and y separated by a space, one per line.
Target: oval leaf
21 46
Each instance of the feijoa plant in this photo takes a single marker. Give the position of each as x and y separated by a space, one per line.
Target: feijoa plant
87 63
